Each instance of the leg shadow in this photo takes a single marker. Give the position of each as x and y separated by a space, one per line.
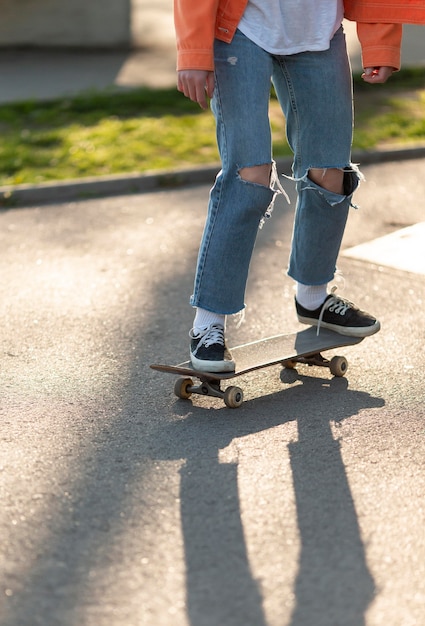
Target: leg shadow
334 585
220 586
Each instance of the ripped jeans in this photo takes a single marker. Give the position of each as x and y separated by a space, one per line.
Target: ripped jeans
315 93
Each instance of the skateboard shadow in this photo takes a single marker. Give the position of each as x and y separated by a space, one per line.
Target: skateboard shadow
333 585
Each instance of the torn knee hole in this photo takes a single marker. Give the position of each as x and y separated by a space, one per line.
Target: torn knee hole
259 174
331 179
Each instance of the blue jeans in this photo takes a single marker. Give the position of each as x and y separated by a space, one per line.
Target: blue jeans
315 93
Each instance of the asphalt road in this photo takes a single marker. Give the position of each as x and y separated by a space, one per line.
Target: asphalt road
123 506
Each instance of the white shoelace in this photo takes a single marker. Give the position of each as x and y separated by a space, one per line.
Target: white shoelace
335 305
214 334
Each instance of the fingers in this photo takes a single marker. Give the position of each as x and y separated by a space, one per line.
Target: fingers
198 85
377 74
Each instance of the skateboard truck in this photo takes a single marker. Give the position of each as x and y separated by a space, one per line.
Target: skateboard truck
338 365
232 396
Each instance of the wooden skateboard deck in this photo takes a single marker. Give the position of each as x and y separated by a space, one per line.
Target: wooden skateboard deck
301 347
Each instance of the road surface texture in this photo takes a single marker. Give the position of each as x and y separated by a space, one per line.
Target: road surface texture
124 506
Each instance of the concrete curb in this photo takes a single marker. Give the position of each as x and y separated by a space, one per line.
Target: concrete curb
80 189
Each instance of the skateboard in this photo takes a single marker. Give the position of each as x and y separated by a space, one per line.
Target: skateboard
288 350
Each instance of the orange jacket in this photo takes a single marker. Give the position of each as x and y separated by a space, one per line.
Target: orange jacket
198 22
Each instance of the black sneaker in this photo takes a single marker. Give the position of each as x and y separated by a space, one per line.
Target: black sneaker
208 351
341 316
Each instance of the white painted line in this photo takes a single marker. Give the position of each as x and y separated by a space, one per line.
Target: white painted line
402 250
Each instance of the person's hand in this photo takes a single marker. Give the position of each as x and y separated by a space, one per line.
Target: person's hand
377 74
196 85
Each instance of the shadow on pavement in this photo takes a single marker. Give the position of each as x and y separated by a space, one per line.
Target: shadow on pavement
107 491
333 583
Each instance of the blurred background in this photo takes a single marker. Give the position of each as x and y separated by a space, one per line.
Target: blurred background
52 48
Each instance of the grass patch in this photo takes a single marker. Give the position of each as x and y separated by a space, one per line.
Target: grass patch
135 131
391 115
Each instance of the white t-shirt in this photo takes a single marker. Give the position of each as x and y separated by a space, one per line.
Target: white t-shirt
291 26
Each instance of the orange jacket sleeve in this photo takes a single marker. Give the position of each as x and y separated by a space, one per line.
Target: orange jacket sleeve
198 23
385 11
381 44
195 27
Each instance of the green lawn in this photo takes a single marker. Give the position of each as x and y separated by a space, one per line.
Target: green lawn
142 130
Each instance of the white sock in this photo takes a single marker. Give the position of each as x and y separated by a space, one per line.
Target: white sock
204 319
311 296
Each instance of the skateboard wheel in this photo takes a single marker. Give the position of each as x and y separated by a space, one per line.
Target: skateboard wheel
233 397
182 386
338 365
